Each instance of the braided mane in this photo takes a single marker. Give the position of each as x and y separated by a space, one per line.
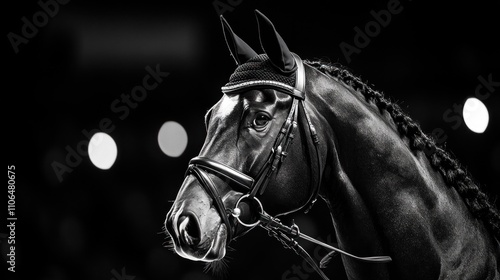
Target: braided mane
453 174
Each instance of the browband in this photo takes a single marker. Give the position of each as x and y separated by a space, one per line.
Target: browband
297 91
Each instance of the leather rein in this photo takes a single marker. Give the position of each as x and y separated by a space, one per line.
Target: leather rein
255 187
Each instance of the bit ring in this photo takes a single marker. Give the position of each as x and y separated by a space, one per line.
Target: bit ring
237 211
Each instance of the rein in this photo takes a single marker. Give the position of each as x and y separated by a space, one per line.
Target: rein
256 187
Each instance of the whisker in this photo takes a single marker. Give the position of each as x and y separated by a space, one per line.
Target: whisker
168 243
219 269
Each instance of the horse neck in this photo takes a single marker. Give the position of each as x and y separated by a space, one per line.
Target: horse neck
380 192
364 147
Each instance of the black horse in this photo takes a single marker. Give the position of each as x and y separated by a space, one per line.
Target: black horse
286 132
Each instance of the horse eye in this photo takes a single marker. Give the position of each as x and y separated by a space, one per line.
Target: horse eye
261 120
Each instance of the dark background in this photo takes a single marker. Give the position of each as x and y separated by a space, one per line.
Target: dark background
96 222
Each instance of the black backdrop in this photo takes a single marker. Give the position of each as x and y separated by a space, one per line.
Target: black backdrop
97 224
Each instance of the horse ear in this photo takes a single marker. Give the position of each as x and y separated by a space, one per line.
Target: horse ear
240 51
273 45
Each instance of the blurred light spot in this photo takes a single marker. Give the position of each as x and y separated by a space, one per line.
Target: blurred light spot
172 139
476 115
102 150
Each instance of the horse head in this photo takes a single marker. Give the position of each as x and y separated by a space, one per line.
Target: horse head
249 135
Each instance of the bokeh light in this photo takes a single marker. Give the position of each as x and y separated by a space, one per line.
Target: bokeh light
475 115
102 150
172 139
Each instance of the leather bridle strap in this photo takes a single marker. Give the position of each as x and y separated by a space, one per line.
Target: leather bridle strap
278 152
300 79
290 243
210 188
300 89
286 137
319 164
225 171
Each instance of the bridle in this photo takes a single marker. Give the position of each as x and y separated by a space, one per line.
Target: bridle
255 187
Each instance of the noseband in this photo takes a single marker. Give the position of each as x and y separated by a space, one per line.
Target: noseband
255 187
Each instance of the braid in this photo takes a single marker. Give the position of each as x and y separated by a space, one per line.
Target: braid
442 161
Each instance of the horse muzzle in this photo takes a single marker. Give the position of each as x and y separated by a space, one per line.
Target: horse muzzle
195 241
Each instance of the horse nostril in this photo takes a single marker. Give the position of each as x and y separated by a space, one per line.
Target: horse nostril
189 230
